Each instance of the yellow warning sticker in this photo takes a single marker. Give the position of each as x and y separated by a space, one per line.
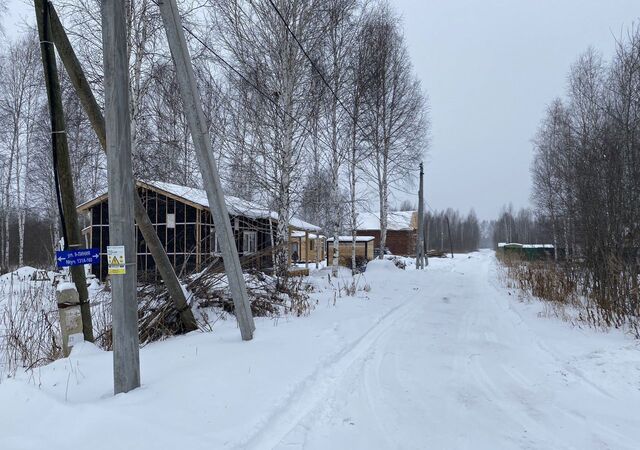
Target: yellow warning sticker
115 259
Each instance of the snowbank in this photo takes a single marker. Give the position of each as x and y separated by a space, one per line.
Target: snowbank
379 266
23 273
65 286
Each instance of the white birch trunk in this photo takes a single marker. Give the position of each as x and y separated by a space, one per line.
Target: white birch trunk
273 243
7 195
282 240
384 211
354 215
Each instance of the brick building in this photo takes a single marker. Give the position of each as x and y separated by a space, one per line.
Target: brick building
402 231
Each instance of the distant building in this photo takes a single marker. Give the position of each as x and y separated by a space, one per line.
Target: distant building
183 221
402 231
528 251
364 249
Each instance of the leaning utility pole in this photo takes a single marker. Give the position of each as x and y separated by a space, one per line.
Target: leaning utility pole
126 357
420 244
208 168
94 114
62 164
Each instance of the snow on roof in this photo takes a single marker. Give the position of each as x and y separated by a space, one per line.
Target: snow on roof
350 239
236 206
396 220
515 244
298 233
298 223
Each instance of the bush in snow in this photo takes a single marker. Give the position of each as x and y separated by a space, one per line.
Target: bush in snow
269 296
399 262
563 284
29 327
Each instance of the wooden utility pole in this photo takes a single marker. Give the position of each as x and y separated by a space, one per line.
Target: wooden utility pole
126 357
449 230
208 168
420 244
427 229
62 169
94 113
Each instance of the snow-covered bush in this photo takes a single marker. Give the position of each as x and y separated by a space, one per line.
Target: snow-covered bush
381 265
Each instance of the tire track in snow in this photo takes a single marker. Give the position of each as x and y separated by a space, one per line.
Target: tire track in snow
309 394
541 414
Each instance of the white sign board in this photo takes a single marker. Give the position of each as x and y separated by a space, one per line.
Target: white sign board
171 220
115 260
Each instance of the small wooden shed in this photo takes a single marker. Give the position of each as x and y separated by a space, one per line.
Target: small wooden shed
306 247
364 249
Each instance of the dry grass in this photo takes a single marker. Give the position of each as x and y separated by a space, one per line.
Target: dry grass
29 329
613 303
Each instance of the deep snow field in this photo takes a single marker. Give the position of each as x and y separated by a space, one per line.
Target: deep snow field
445 358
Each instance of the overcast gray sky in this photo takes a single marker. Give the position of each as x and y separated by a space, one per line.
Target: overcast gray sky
490 67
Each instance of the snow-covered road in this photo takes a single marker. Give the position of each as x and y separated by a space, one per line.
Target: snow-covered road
441 359
457 367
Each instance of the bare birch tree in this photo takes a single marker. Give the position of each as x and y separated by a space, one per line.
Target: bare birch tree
258 43
585 174
395 112
20 98
335 53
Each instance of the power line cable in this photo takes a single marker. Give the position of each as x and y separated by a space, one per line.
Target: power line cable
249 82
324 80
413 193
244 78
313 64
267 96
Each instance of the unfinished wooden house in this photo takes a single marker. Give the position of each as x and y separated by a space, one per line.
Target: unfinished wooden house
183 221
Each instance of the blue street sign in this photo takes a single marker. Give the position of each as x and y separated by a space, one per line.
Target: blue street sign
78 257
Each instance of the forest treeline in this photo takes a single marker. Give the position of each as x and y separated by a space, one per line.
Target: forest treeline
523 226
586 181
464 231
313 109
468 233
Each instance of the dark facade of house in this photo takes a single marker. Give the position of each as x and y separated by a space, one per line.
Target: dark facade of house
186 231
